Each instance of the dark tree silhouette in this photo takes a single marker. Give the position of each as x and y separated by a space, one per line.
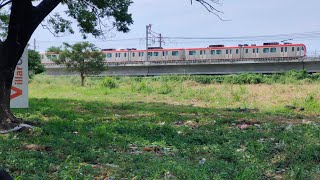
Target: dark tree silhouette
20 18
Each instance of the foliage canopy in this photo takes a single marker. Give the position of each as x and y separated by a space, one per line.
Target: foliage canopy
84 58
34 63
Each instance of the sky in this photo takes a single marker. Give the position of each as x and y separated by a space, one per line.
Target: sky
292 19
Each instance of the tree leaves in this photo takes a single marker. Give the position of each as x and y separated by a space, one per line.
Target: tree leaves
82 57
96 17
34 63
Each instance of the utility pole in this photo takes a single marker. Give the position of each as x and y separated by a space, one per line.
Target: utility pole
148 28
153 36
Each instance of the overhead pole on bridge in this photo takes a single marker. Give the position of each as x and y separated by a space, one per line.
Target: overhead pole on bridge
152 36
148 28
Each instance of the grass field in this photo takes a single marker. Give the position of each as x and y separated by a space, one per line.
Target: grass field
168 128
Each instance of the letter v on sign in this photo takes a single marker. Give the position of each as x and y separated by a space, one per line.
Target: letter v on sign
17 92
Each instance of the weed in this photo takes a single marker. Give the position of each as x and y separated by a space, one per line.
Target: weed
109 82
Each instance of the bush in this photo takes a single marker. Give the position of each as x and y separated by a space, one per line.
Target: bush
142 87
109 82
164 89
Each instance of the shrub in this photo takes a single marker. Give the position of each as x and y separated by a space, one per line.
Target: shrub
164 88
109 82
142 87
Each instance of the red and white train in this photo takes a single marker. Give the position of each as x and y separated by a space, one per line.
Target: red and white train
213 52
267 51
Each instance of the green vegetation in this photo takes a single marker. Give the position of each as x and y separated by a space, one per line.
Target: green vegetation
169 127
291 77
34 63
82 57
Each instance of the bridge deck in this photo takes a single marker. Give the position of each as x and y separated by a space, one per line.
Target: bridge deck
201 67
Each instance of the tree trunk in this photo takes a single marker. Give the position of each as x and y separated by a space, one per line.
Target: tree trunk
82 79
7 119
24 19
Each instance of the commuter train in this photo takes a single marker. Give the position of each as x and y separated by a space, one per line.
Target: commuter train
267 51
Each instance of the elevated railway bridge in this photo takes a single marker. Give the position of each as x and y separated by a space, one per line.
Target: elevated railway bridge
205 67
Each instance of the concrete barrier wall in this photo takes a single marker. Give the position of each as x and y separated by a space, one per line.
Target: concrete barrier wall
274 67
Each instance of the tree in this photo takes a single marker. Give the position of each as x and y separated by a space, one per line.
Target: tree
83 57
20 18
54 50
34 63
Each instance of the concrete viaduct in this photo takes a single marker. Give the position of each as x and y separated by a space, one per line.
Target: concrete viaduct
200 67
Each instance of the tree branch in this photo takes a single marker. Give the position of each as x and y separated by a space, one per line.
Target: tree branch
4 4
17 17
44 9
210 8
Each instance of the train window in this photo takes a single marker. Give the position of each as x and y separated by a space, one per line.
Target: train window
166 53
175 53
204 52
302 48
192 53
149 53
257 50
142 54
298 48
281 49
156 53
266 50
125 54
286 49
109 55
254 50
163 53
273 50
201 52
227 51
119 54
133 54
292 48
139 54
51 56
237 51
213 52
230 51
219 52
247 51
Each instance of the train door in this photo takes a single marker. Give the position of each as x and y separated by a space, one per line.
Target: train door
165 55
227 54
203 54
141 56
298 51
255 52
129 55
285 54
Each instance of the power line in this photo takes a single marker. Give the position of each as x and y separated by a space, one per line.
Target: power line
176 41
302 35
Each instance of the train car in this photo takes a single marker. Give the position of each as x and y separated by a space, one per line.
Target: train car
273 50
267 51
177 54
194 54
